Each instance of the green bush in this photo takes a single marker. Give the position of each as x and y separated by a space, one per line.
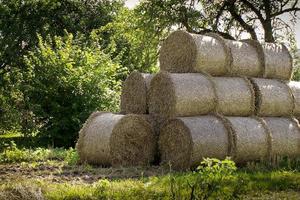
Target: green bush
67 79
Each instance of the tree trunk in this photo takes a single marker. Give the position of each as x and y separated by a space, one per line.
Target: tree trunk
268 31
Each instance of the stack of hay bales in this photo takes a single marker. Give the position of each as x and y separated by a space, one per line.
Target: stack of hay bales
212 98
245 109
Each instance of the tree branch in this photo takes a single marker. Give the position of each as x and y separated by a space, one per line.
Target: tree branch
284 11
254 9
219 14
238 18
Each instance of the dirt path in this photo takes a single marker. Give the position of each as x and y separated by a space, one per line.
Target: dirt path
58 172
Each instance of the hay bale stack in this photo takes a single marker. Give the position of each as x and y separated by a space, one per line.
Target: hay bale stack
134 97
186 52
251 139
295 89
187 94
273 97
235 96
118 140
247 58
185 141
285 136
278 61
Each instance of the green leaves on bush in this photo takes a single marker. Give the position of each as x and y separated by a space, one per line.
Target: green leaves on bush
67 79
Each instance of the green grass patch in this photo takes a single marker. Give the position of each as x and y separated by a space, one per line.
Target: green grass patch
213 179
12 154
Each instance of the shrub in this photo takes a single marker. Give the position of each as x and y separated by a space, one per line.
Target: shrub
66 80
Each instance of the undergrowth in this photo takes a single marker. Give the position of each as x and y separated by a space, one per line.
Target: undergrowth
13 154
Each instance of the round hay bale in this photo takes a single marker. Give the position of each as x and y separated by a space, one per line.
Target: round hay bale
235 96
278 61
118 140
186 52
251 139
247 58
285 136
134 96
93 143
185 141
273 97
187 94
295 89
133 142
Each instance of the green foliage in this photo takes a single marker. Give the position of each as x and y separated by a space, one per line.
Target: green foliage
296 75
212 179
66 80
132 40
21 21
13 154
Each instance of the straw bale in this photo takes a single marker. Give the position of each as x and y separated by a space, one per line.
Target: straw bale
119 140
278 61
185 141
134 97
133 142
251 139
247 58
285 136
186 52
273 97
187 94
93 143
295 89
235 96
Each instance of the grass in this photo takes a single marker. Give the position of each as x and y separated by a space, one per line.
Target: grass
12 154
53 174
170 186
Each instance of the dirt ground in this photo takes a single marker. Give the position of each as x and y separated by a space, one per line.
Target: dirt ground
57 172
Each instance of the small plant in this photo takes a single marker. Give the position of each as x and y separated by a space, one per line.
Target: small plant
213 179
72 157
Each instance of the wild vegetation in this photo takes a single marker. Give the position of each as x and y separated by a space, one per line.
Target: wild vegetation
60 60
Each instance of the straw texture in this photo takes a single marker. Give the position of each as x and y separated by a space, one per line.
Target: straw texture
133 142
252 139
273 97
185 141
118 140
285 136
186 52
295 89
278 61
187 94
247 59
235 96
94 138
134 97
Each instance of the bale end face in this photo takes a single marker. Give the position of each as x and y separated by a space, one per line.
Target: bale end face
134 94
175 145
278 61
162 96
178 52
93 142
133 142
273 98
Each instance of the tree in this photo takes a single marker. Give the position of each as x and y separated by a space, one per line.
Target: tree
230 18
20 24
132 40
67 79
21 21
